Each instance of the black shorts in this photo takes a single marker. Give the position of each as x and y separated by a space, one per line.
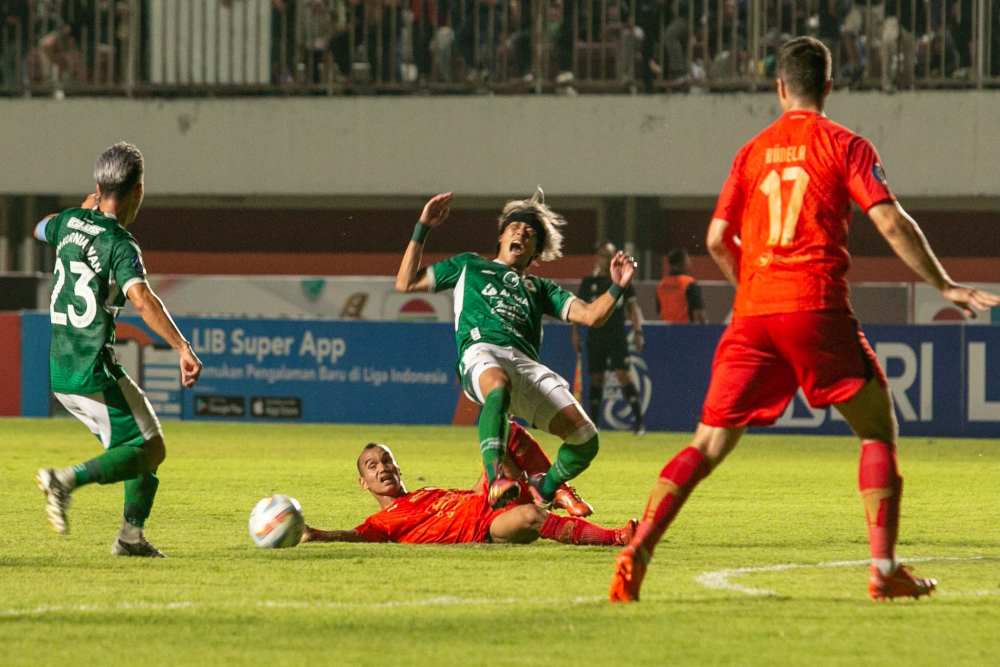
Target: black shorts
605 354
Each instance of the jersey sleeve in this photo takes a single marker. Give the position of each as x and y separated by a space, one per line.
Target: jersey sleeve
732 198
445 274
49 227
373 530
865 176
555 300
127 267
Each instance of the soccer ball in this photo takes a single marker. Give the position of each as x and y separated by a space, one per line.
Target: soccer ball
276 522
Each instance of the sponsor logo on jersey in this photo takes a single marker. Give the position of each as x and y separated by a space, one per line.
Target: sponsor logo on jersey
489 290
85 227
488 272
511 279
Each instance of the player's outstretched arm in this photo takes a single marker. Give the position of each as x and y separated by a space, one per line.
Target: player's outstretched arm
311 534
410 277
597 312
155 315
910 244
722 245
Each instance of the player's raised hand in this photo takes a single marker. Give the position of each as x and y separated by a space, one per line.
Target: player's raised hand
970 299
436 210
623 269
190 366
92 200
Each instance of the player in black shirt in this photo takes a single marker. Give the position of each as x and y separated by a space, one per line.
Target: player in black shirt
607 346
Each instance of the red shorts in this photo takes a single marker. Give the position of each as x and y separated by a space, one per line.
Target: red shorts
762 360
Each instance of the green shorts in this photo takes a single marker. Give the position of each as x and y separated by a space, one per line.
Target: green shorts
119 416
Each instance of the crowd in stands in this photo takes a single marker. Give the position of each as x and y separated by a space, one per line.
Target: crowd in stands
619 45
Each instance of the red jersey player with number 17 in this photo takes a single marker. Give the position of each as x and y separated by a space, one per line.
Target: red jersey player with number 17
779 233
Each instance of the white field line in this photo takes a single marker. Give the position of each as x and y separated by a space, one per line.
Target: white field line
440 601
720 579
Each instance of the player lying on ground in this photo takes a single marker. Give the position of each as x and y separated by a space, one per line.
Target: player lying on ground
452 516
98 264
498 329
779 233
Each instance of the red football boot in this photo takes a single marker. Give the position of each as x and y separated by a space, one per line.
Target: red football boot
568 499
630 568
900 584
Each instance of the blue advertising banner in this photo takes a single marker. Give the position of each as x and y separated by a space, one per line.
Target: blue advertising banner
944 380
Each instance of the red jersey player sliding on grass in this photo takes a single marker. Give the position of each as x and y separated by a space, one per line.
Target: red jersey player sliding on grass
451 516
779 233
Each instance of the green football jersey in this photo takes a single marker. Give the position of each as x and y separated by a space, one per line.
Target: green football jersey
493 304
96 262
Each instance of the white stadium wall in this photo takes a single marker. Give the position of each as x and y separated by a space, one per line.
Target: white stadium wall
934 144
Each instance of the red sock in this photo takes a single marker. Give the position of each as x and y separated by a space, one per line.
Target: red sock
525 451
677 479
881 490
573 530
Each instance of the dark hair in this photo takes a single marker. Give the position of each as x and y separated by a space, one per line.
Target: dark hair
370 445
676 257
805 65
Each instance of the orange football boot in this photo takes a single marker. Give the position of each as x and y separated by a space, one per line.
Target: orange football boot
568 499
630 568
900 584
503 492
625 534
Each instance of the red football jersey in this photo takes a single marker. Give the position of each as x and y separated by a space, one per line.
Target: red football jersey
788 198
432 516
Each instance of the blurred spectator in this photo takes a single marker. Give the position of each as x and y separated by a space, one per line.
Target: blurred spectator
13 41
324 30
378 30
478 36
678 296
433 38
284 52
675 40
902 18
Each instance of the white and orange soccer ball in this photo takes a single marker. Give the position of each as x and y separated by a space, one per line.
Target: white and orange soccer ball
276 522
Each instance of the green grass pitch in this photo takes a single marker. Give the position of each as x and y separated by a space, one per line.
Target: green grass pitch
779 501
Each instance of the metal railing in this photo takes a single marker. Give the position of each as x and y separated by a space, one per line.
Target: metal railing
184 47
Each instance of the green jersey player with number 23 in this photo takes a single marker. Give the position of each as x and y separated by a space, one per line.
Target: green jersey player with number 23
97 266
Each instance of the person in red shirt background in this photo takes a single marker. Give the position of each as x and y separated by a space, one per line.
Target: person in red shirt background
431 515
779 234
678 296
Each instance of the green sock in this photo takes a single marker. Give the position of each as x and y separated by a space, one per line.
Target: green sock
115 465
570 462
139 494
493 430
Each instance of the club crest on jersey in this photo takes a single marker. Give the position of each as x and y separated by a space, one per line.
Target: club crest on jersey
878 173
511 279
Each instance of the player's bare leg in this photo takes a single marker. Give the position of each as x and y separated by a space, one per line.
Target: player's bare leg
580 445
711 444
494 387
526 523
518 525
871 416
